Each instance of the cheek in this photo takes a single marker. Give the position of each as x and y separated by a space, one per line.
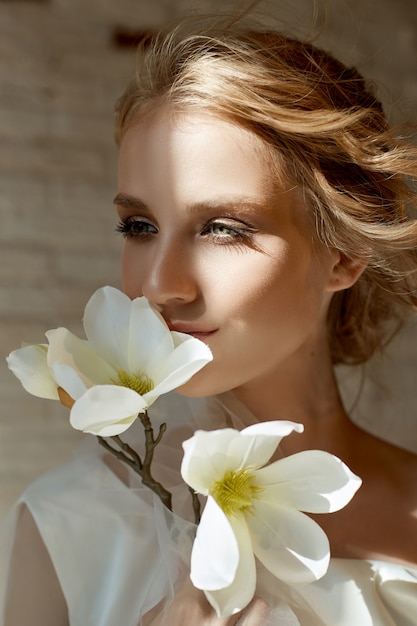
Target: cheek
286 293
271 283
131 278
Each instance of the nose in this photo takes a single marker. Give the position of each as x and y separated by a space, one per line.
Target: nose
170 275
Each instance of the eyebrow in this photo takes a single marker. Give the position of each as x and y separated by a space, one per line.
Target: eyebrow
128 202
242 204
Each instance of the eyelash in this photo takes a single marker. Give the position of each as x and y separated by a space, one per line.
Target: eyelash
132 228
235 235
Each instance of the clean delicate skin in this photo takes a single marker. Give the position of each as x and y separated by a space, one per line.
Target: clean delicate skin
225 246
219 253
227 257
230 258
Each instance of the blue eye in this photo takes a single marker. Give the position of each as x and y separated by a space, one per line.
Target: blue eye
222 230
225 233
134 227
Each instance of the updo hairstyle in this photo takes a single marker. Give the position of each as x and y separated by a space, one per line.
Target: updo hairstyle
326 133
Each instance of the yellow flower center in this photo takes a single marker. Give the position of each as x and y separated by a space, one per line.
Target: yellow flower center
236 491
139 382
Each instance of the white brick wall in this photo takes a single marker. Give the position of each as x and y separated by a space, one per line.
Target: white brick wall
59 77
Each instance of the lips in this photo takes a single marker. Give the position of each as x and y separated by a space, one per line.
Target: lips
195 330
202 335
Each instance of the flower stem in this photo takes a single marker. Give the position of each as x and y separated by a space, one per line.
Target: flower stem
128 455
134 462
125 453
150 445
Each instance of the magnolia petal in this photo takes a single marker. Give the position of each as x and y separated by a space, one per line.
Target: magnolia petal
68 349
255 445
179 376
312 481
69 380
178 367
29 365
290 544
150 340
106 324
206 458
106 410
215 553
277 428
240 592
208 455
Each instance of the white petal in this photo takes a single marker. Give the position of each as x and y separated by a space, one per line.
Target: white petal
255 444
240 592
66 348
274 428
312 481
69 380
207 458
210 454
106 324
29 365
106 410
215 554
178 367
150 340
290 544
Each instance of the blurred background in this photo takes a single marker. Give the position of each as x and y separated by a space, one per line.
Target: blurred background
62 65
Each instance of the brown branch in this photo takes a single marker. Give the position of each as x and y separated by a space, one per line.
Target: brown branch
128 455
150 445
134 464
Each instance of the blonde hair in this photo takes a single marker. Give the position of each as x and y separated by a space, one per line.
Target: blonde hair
324 124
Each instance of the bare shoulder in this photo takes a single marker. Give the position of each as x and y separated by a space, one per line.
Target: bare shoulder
381 520
384 463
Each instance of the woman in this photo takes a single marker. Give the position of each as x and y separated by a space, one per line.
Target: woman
263 201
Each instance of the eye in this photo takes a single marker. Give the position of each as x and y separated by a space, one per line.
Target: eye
225 232
136 227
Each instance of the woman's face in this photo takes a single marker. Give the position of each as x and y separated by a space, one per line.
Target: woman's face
217 250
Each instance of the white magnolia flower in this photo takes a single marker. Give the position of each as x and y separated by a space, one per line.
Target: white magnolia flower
254 509
130 358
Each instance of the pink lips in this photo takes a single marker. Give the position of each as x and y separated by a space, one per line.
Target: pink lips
199 332
203 335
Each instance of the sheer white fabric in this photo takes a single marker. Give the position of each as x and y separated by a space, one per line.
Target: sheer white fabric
380 396
117 552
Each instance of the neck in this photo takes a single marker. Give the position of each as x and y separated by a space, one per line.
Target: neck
304 391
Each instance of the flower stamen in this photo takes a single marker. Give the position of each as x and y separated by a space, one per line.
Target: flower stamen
139 382
236 491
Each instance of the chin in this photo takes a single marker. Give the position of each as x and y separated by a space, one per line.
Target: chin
194 391
200 386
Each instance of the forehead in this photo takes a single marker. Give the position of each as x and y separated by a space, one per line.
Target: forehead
189 163
195 146
168 125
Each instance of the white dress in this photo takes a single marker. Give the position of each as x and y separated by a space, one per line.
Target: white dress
118 552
